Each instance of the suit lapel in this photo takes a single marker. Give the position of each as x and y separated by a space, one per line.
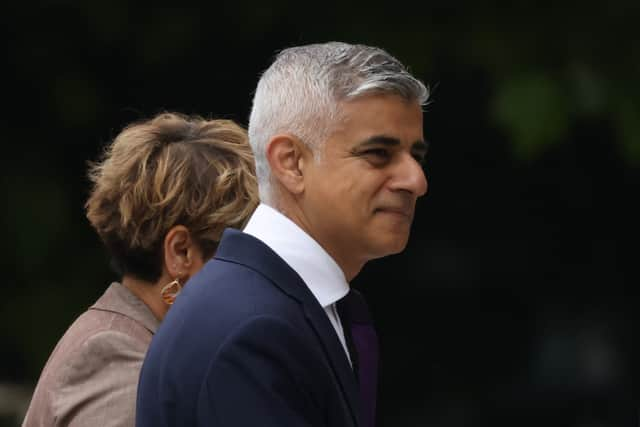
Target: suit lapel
244 249
335 353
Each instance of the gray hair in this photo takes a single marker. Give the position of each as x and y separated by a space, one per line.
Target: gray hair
300 94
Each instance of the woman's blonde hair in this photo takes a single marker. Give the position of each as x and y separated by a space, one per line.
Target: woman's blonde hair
171 170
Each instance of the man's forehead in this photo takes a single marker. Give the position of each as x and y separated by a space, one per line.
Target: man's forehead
389 105
382 130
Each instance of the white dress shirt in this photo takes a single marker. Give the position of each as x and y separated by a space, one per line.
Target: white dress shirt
305 256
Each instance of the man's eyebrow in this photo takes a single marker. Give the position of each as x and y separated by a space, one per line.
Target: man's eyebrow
389 141
380 140
418 148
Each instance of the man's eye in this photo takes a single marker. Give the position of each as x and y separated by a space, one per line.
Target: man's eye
420 158
380 153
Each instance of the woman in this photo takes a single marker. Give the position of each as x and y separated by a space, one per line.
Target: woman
161 197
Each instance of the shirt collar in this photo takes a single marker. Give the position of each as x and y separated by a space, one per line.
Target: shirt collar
324 278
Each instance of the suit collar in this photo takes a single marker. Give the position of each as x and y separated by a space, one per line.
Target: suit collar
241 248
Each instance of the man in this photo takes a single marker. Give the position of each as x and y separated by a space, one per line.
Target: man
268 333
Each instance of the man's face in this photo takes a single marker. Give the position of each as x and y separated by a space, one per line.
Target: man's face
359 198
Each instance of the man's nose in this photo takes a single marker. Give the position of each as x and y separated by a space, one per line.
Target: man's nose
410 176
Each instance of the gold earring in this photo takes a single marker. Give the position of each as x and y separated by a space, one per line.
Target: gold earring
170 291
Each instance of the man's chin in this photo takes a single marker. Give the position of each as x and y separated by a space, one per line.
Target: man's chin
394 245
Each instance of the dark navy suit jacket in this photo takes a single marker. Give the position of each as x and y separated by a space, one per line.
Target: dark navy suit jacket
246 344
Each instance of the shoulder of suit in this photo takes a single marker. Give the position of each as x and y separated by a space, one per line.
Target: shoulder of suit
93 340
94 356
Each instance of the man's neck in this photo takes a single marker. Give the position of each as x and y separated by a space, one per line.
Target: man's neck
294 212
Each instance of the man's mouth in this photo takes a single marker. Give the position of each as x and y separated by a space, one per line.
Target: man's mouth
401 212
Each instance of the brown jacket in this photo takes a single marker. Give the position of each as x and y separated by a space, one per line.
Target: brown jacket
91 377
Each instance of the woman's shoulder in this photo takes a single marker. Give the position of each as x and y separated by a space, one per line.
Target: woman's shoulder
97 337
100 355
95 374
107 324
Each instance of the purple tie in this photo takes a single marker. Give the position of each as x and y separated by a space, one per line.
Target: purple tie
363 347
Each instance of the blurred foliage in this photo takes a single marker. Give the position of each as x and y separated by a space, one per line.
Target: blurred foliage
534 110
551 65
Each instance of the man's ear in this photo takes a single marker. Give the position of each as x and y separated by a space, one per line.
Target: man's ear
287 155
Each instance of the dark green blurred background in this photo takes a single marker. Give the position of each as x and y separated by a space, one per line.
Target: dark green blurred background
512 305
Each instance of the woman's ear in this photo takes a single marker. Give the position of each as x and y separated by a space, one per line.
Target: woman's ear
182 257
287 155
